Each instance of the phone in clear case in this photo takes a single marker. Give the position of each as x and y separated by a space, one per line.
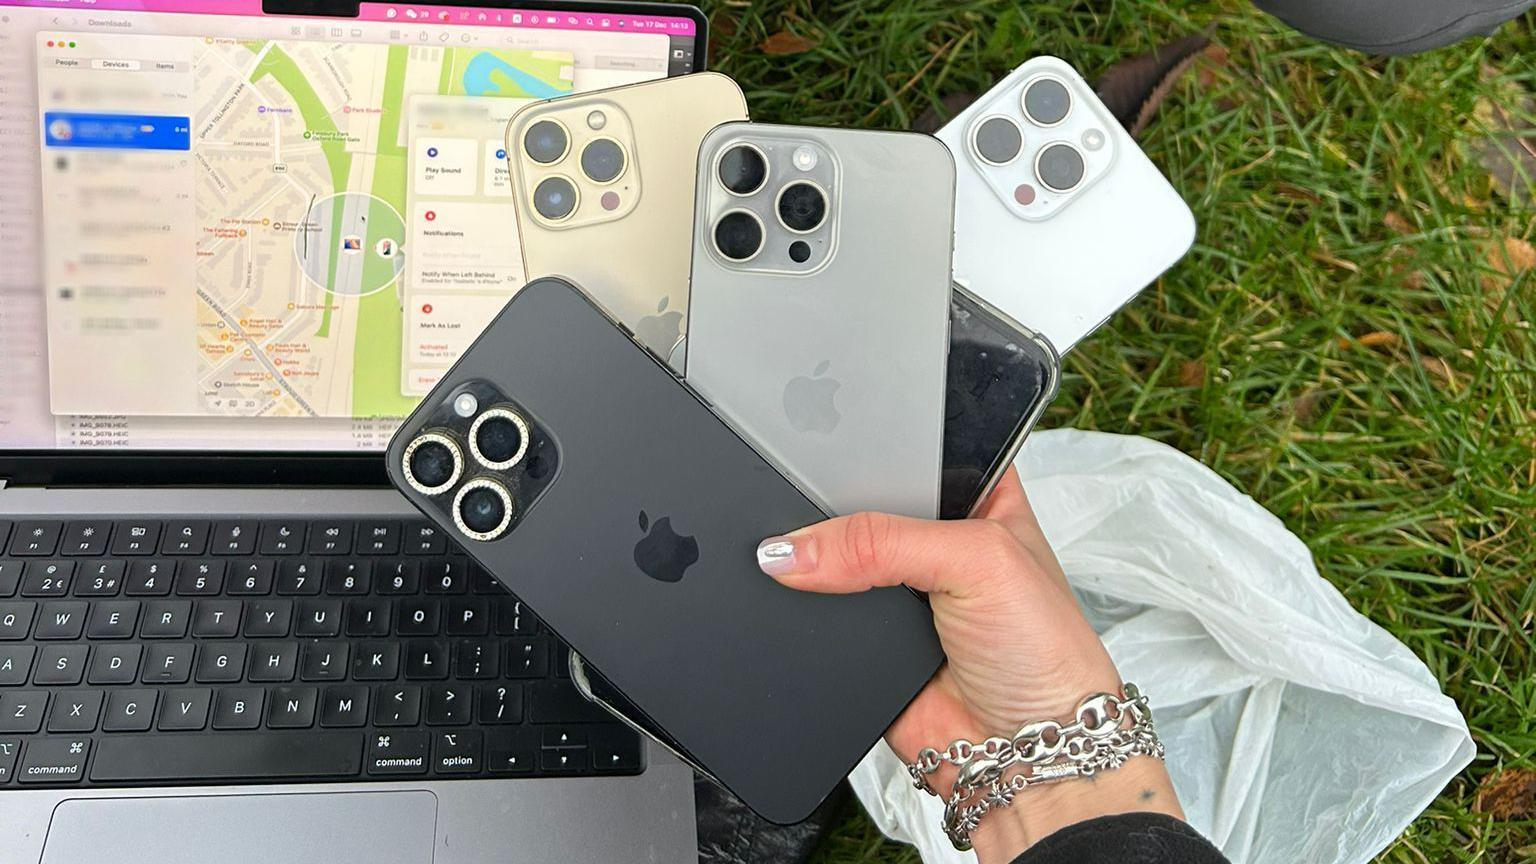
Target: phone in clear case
818 319
603 185
577 469
1061 219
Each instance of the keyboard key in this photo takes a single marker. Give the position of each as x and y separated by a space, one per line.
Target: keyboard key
112 619
556 701
509 751
243 756
291 708
232 538
61 664
482 582
555 737
16 619
457 752
324 661
376 661
22 710
419 538
448 705
527 658
10 577
238 708
344 706
267 618
151 577
222 663
75 711
15 664
282 538
501 703
185 537
85 538
564 761
10 748
349 577
426 660
129 711
401 576
47 578
330 538
444 576
397 705
113 664
298 576
63 619
251 578
466 616
5 534
54 760
200 578
35 539
398 752
165 619
168 663
615 748
514 619
476 659
378 538
416 617
136 538
184 710
367 617
100 578
273 661
216 619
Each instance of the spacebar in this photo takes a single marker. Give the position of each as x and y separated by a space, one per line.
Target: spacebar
228 756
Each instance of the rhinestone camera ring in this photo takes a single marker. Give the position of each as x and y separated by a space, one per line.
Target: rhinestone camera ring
474 439
506 504
432 438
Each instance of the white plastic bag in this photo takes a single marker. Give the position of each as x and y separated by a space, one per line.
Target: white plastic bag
1297 730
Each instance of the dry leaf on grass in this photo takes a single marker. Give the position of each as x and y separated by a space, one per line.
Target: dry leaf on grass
1214 68
1508 795
1396 223
1192 373
1513 256
784 43
1134 88
1373 339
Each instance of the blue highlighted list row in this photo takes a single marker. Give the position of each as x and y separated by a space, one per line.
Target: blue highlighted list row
116 131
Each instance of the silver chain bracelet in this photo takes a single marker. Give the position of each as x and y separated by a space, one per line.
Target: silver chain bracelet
1099 739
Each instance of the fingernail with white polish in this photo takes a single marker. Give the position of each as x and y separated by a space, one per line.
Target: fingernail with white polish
776 556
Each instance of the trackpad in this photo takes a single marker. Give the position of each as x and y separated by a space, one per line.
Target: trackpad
377 827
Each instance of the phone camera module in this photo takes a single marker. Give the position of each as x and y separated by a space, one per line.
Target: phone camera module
554 198
545 142
1047 101
602 160
498 439
998 140
483 509
1059 167
742 169
432 463
738 235
802 207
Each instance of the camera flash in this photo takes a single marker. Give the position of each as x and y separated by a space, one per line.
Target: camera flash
1093 139
804 158
597 120
465 404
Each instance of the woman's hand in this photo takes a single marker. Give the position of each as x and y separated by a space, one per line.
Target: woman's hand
1017 644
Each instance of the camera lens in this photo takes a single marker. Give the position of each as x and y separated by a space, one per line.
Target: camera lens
998 140
554 198
603 160
738 235
498 438
545 142
1047 101
1059 167
432 463
802 207
742 169
482 509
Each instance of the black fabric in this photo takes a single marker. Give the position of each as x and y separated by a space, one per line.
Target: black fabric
1394 26
1131 838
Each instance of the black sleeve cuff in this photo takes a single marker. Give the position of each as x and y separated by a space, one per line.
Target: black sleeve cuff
1145 838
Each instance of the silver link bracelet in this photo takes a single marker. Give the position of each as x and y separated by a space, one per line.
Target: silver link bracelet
1106 731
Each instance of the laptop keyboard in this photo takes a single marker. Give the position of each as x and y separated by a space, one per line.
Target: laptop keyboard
187 651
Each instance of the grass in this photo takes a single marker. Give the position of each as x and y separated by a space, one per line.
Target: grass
1345 342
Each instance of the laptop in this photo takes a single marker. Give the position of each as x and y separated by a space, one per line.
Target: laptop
238 241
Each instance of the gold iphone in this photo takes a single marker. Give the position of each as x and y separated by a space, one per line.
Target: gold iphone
604 187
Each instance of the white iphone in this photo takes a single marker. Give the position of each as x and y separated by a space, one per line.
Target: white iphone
1060 219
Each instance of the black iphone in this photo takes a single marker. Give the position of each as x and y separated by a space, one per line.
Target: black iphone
577 469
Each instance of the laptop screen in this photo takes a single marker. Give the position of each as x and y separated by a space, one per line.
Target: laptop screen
224 230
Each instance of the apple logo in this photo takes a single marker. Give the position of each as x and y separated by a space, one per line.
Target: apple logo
662 553
660 332
808 401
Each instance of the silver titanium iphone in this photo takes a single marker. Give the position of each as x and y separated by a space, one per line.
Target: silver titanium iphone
1061 219
818 321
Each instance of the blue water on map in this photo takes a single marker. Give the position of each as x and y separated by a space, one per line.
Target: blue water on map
478 81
